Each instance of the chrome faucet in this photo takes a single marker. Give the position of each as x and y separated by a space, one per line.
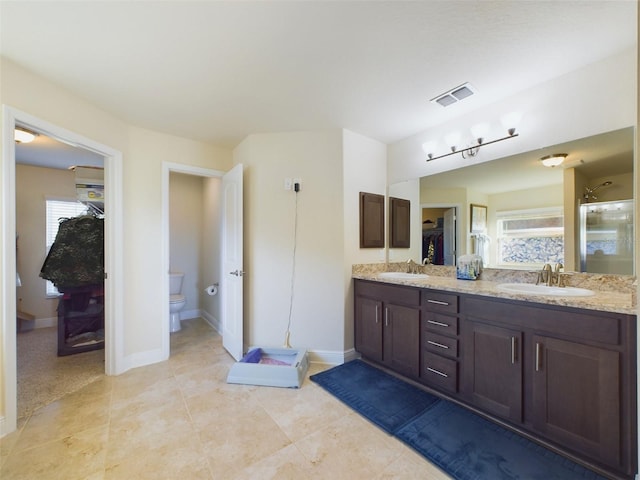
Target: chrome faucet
550 276
547 275
412 267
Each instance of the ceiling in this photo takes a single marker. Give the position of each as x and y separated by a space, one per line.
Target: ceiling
217 71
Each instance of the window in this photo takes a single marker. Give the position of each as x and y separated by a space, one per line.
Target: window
58 209
530 238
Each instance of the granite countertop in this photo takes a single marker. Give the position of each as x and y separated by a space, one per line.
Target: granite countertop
616 293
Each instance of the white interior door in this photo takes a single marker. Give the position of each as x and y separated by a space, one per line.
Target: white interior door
449 237
232 263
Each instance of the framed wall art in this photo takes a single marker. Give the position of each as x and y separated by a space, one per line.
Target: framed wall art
478 218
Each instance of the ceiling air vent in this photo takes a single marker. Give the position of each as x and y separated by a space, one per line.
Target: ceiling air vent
454 95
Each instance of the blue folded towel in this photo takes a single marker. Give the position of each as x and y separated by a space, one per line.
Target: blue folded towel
252 356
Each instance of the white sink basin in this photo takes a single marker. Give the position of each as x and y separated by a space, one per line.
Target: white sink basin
527 288
403 275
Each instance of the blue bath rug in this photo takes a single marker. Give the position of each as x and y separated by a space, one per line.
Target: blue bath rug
463 444
382 398
468 447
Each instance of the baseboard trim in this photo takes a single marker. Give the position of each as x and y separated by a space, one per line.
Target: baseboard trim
211 320
142 359
332 357
188 314
3 425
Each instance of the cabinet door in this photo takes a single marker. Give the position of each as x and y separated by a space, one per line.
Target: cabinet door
576 397
492 369
402 339
368 327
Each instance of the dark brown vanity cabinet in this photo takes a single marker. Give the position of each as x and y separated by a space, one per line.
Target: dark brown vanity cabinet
564 375
492 374
577 397
439 341
387 325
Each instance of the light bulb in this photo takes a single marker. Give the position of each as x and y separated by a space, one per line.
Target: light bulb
452 140
480 131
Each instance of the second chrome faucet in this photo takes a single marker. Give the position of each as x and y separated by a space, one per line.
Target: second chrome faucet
549 276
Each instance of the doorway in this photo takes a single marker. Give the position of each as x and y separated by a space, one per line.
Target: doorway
439 234
114 361
194 245
51 186
198 190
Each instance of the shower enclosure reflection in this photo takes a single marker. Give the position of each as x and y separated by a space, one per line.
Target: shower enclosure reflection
606 237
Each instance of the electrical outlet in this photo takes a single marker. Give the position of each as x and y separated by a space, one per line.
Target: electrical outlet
288 184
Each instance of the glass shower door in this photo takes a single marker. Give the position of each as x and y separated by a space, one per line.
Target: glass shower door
606 237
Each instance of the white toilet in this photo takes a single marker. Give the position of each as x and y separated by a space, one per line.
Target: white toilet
176 300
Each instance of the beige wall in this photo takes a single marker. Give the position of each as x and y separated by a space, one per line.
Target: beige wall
143 153
186 207
317 316
33 186
194 240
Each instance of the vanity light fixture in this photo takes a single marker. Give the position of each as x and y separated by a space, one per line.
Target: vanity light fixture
478 131
22 135
554 159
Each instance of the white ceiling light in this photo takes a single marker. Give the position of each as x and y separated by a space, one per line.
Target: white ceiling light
553 160
21 135
478 131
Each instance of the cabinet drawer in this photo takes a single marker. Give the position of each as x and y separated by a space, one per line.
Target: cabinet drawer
440 302
439 323
439 371
399 294
440 344
575 324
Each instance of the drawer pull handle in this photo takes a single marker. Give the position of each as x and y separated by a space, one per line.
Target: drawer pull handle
440 324
514 350
377 313
437 372
386 317
538 356
438 302
436 344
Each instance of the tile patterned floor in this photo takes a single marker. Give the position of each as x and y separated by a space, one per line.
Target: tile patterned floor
181 420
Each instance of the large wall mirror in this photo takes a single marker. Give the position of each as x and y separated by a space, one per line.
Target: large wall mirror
537 214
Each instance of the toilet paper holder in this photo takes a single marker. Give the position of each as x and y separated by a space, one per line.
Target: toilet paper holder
212 289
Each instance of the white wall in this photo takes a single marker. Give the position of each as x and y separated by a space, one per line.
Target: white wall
408 190
317 317
365 165
364 170
210 268
143 229
563 109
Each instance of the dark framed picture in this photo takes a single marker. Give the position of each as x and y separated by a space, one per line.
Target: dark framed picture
478 218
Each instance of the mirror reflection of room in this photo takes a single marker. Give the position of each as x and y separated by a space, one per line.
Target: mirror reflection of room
534 211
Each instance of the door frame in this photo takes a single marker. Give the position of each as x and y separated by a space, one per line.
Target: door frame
167 168
114 322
